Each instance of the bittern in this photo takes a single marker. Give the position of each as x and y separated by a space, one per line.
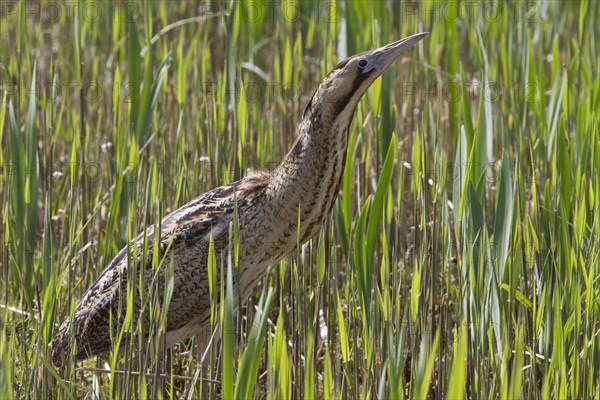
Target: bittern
301 190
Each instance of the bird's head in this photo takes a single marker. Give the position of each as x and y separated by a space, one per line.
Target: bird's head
339 93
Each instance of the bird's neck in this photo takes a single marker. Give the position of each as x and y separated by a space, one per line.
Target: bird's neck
309 176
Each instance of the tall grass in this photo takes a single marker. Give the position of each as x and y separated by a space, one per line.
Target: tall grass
461 258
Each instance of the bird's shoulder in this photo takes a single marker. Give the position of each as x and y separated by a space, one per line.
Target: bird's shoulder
211 209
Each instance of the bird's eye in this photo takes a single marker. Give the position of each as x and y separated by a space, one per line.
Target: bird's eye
362 63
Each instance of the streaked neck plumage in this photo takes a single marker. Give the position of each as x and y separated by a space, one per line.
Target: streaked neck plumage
312 170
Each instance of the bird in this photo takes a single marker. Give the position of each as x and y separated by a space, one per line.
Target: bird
275 212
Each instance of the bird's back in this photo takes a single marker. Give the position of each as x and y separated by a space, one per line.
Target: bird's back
184 245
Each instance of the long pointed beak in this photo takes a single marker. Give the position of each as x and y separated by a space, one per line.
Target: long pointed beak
384 56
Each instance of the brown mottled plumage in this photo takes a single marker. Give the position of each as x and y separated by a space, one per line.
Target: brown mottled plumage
307 179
